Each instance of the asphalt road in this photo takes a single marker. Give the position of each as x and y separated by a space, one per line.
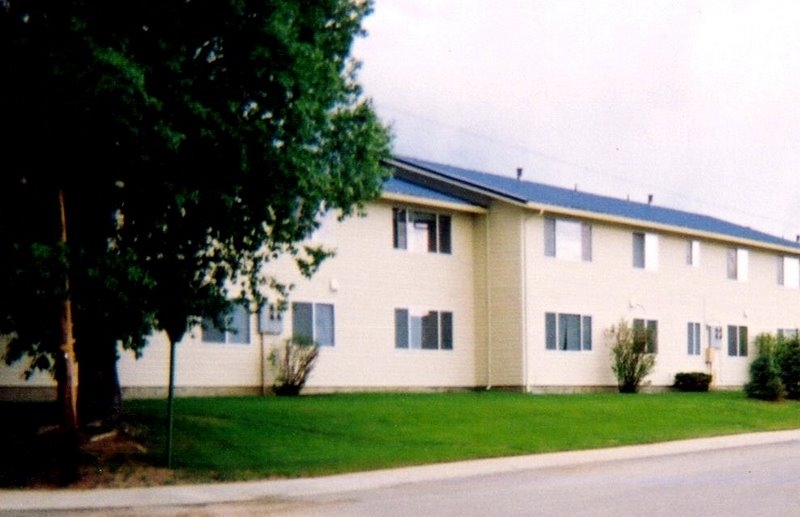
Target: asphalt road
734 476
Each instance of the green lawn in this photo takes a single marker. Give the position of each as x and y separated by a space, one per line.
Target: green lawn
245 438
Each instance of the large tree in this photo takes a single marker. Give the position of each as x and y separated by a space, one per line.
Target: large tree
189 141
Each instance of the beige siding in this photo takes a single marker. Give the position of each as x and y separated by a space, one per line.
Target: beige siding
609 289
505 292
365 281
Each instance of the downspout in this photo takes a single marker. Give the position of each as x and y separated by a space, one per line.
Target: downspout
524 325
488 284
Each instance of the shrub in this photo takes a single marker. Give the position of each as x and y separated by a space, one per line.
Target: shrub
292 364
631 362
787 355
765 376
692 381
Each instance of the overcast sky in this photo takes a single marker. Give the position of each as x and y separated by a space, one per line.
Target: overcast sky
695 102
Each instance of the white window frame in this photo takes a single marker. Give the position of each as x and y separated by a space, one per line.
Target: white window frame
738 264
320 333
557 332
568 239
737 341
645 251
410 329
651 338
789 272
694 338
411 232
693 253
236 331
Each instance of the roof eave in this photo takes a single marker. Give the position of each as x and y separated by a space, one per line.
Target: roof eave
543 209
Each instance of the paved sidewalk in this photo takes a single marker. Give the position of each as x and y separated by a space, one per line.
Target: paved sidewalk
207 494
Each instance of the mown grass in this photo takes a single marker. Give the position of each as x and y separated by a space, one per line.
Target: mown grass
246 438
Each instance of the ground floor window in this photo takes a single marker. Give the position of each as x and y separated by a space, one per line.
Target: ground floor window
567 331
234 327
423 329
314 321
693 338
737 340
645 335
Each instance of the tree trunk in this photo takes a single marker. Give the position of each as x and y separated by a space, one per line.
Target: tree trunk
100 397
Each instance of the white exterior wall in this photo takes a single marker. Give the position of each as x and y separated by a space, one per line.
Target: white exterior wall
365 281
498 284
505 295
609 289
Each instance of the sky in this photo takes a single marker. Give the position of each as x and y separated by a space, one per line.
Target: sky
694 102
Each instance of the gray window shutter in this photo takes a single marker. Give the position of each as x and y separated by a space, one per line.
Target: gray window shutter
586 332
447 330
399 228
780 271
444 234
550 237
550 330
732 340
586 242
732 263
401 328
743 341
638 250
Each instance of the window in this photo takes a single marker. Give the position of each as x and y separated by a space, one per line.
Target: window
693 253
568 240
645 251
737 264
789 272
423 329
421 231
567 331
693 338
788 333
645 335
737 341
325 232
235 328
313 321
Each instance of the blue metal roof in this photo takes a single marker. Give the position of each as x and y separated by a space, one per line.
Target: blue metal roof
406 188
527 191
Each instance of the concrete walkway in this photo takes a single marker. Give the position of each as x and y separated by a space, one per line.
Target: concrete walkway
208 494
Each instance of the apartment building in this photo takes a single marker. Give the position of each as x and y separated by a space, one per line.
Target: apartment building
463 279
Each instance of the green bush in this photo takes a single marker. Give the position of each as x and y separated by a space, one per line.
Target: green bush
787 355
765 376
692 381
292 364
631 362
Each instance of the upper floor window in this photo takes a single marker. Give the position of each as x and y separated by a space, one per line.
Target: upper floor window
737 341
567 239
423 329
789 272
645 251
645 335
314 321
421 231
693 253
567 331
235 327
738 260
693 338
